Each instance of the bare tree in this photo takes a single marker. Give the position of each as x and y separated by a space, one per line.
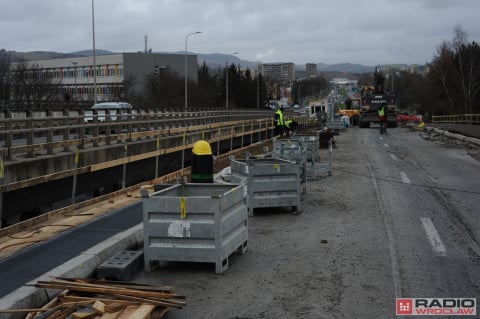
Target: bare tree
464 67
4 79
30 89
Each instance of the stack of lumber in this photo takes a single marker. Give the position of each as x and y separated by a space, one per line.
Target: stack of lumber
102 299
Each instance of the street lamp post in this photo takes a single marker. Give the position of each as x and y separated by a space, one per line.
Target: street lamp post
258 91
94 58
75 77
226 81
186 68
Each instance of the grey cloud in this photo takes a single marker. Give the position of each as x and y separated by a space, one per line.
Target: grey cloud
362 31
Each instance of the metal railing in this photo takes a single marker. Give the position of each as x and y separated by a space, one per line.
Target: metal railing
457 119
25 134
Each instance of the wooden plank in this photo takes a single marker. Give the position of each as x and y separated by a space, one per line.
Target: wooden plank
114 307
106 290
159 313
142 312
104 300
111 315
83 315
127 312
99 307
63 313
22 310
157 302
50 304
120 284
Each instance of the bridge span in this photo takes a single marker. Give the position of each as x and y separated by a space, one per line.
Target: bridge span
54 159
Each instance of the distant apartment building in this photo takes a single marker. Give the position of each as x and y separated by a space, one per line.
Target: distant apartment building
75 76
311 70
282 72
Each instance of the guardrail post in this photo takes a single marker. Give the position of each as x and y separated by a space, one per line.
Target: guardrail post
266 129
218 142
131 118
9 134
66 130
95 127
259 125
30 134
49 132
81 128
108 127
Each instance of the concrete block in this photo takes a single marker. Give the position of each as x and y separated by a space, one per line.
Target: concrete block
121 266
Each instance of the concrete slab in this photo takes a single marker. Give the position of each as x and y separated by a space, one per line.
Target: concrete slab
121 266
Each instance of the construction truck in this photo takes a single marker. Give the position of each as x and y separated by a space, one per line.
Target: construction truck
352 109
372 97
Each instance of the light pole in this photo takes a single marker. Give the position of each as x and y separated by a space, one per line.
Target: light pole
186 68
258 91
94 58
226 81
75 76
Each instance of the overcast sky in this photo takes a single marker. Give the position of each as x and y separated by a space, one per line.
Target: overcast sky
368 32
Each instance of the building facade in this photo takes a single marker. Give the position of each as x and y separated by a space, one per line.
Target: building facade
281 72
311 70
76 76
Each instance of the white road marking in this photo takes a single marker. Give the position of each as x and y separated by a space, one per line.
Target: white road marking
386 145
405 178
393 157
433 237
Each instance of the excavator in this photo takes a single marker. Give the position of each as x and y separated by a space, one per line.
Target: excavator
374 96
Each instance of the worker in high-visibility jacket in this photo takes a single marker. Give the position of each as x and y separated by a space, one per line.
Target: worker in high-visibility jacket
382 118
278 122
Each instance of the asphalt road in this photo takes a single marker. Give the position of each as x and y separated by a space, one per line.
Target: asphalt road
19 269
398 218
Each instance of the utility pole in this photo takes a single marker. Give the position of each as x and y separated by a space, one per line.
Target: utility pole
94 58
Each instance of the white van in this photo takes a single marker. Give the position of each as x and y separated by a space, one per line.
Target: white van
113 109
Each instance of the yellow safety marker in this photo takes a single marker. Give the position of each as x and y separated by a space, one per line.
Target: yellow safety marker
158 143
183 210
2 168
77 156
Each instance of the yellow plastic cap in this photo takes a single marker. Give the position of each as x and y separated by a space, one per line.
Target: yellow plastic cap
202 148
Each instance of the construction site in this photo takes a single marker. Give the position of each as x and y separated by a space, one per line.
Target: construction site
286 228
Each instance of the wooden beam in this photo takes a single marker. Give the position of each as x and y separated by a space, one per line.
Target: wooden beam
143 312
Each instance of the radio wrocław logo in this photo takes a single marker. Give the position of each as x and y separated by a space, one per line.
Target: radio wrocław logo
436 307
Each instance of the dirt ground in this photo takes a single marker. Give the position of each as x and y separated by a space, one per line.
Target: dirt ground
331 261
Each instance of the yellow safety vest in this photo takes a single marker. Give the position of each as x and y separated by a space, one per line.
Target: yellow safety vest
381 111
279 117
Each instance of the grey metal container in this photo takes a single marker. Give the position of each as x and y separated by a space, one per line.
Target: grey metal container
270 182
292 150
311 144
195 223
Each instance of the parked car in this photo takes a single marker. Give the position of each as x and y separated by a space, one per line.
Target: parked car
114 109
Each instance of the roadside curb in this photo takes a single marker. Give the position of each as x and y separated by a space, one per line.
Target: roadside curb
83 265
460 137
